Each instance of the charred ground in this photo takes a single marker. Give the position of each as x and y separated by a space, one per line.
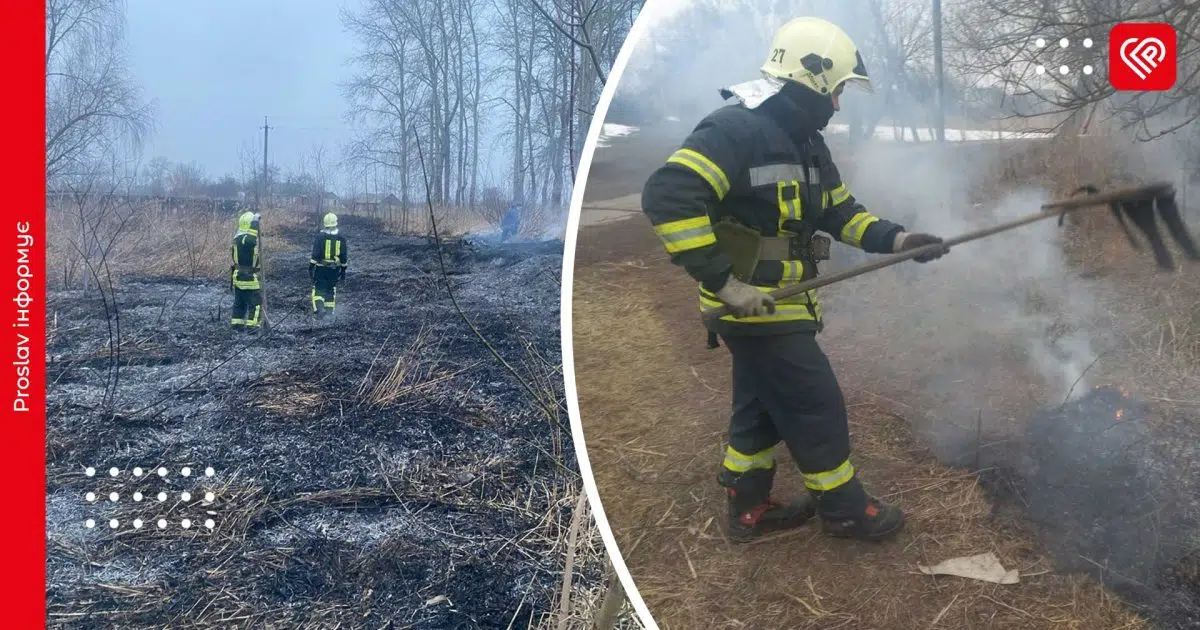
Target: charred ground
385 470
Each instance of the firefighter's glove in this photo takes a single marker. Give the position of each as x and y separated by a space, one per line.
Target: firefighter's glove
906 242
745 300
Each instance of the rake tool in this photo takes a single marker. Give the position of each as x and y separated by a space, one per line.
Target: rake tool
1138 204
262 283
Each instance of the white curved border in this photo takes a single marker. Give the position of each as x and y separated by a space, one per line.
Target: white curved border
568 352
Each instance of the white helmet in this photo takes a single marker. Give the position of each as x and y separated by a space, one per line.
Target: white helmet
816 54
330 221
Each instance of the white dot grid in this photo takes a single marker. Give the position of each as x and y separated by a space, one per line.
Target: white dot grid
138 471
162 523
1064 43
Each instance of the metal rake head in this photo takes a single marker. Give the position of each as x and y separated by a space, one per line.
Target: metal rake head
1140 206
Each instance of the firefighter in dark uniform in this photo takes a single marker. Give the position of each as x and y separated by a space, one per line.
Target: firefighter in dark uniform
739 206
510 225
247 289
327 267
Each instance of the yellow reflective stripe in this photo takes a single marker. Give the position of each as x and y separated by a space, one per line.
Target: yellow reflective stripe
253 321
838 195
830 479
237 320
703 167
738 461
786 312
327 248
686 234
791 209
854 229
337 250
792 270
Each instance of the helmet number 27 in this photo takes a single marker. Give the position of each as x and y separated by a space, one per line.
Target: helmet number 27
777 55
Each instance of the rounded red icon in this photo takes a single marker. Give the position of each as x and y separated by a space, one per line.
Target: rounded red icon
1142 56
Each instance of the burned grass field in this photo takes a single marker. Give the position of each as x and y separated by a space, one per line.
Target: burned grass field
383 470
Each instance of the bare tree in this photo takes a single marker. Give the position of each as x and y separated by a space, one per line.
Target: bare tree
480 81
95 206
996 48
316 164
92 101
186 180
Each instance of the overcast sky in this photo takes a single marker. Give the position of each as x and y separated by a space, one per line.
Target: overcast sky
214 68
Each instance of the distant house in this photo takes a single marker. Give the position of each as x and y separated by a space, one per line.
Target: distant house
374 205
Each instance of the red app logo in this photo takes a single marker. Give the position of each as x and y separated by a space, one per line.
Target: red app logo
1141 56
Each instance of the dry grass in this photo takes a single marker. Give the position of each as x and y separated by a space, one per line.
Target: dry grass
455 221
152 243
415 371
282 394
655 443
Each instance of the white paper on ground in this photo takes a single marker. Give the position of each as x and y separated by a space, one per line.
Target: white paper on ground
985 567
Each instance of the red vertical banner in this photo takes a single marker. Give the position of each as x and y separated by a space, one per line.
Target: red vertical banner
23 315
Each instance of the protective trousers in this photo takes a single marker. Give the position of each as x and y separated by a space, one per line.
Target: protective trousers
324 290
247 308
784 389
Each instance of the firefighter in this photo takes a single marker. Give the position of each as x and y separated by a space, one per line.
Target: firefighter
510 225
327 266
738 206
247 289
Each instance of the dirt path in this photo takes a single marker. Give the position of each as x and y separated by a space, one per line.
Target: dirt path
654 407
381 471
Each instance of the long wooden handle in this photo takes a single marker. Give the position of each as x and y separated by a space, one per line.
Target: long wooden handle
1047 211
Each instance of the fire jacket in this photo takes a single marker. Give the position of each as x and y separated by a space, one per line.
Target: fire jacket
330 250
749 165
245 266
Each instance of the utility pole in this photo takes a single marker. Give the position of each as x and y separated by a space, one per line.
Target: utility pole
266 182
940 116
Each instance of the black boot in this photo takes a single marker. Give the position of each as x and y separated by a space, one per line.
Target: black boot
754 512
849 512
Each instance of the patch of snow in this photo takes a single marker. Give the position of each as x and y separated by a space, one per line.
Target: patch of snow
613 130
888 133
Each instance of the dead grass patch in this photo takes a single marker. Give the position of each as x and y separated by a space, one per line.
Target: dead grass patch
152 242
655 443
283 394
416 370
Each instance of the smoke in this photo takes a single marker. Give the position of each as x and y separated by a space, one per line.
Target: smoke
985 340
999 319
